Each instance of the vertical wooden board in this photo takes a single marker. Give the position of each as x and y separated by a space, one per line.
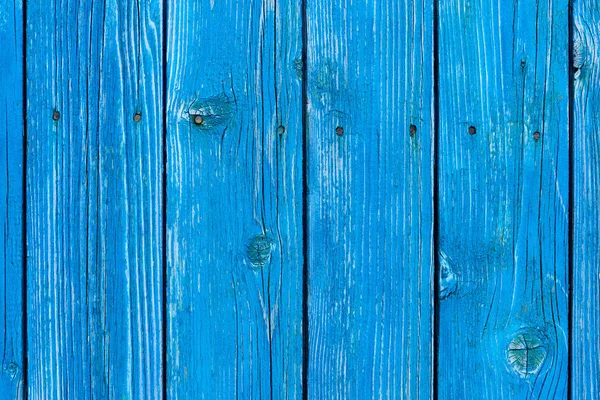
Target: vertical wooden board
11 199
586 192
370 256
503 199
234 199
94 215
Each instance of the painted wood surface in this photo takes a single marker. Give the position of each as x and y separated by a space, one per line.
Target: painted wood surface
240 145
370 303
503 199
94 205
586 195
11 200
234 200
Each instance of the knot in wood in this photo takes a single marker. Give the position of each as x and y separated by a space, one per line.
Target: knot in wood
526 353
259 250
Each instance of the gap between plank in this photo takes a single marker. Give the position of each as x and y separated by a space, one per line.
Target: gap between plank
164 322
436 230
25 367
305 271
571 214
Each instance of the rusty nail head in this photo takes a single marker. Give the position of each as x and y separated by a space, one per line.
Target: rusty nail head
281 129
472 130
413 130
536 135
56 115
198 120
339 131
137 117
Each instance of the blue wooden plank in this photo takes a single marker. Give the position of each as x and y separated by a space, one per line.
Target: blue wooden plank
370 178
94 199
234 200
503 199
11 199
586 192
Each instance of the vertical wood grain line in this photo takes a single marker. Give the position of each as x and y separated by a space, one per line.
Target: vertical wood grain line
164 322
571 213
24 341
436 230
305 234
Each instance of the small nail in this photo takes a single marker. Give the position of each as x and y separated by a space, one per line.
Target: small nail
413 130
281 129
536 135
56 115
198 120
137 117
472 130
339 131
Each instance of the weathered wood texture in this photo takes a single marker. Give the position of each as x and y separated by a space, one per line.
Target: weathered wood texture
94 205
370 73
11 199
503 199
586 202
234 199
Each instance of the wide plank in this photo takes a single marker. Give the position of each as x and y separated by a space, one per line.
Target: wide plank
585 373
234 199
503 199
94 204
369 156
12 366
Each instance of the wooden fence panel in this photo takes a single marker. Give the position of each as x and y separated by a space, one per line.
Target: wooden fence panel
370 208
585 373
94 205
503 199
11 199
234 199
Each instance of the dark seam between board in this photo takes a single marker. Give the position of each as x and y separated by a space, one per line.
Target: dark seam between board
570 216
305 207
164 321
436 230
24 211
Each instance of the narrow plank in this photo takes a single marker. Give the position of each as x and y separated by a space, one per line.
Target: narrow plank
11 199
94 199
503 199
370 77
586 192
234 200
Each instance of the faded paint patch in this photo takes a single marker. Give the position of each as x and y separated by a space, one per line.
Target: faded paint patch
448 278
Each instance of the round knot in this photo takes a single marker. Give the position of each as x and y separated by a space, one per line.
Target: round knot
258 251
526 353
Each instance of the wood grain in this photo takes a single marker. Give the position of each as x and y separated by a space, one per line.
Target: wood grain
503 199
94 199
234 200
586 192
370 73
11 200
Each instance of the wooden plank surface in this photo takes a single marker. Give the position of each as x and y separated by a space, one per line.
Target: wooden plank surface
11 200
94 199
234 200
503 199
370 304
586 194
